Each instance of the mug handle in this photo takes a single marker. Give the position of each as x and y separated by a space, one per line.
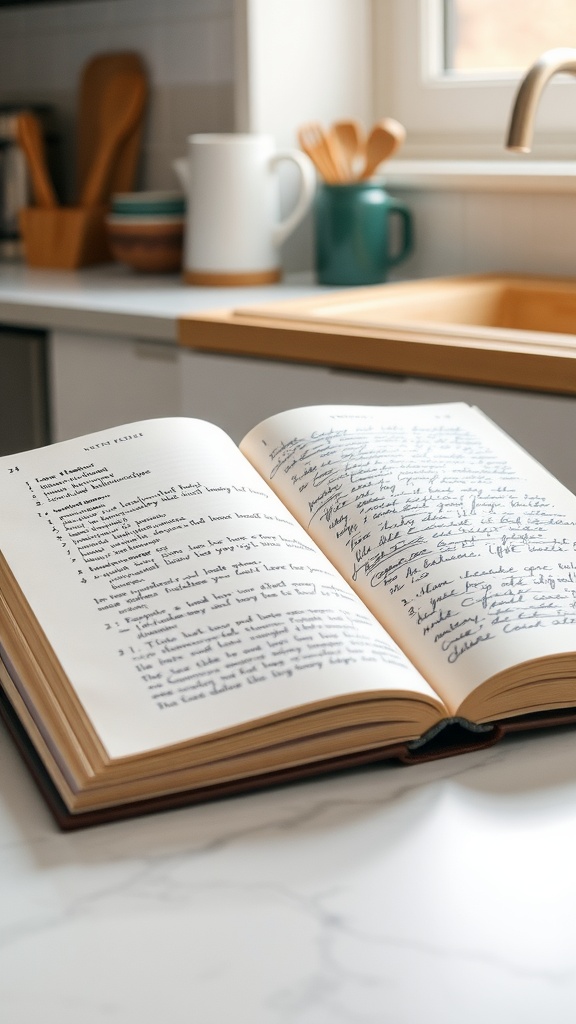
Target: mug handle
407 243
307 188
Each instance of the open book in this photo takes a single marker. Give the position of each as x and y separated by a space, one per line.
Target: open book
180 618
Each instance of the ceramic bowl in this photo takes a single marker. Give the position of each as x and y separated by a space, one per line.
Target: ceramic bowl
148 204
149 244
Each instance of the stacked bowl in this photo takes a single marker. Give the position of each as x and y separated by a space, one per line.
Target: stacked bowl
146 230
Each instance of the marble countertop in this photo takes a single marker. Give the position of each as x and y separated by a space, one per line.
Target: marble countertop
437 893
111 299
433 894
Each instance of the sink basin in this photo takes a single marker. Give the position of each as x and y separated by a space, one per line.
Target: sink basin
505 329
492 306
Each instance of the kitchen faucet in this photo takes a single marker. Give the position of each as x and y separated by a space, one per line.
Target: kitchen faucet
550 63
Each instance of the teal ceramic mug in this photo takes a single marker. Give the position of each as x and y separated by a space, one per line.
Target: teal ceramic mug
353 233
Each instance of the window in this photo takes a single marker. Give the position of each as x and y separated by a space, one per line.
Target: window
501 36
449 70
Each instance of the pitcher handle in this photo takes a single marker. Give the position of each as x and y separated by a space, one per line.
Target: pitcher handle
307 188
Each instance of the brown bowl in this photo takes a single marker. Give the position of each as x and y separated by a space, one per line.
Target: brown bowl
152 245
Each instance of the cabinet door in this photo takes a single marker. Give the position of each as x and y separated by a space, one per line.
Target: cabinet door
102 381
542 423
237 392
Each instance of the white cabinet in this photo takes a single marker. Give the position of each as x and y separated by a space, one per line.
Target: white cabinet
236 392
103 381
98 381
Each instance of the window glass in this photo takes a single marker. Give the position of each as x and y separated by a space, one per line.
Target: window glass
491 35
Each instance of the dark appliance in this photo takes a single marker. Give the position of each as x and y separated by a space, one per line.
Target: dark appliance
24 412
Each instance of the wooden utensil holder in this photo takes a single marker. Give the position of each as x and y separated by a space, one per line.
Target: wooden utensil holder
64 237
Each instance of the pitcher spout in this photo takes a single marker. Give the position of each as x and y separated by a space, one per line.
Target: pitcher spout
181 168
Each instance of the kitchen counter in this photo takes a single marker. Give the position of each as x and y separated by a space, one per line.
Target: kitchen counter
424 895
436 893
111 299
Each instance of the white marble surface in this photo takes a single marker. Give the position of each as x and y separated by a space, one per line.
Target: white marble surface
111 299
442 893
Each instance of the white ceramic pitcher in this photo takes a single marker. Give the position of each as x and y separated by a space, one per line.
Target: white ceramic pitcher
233 227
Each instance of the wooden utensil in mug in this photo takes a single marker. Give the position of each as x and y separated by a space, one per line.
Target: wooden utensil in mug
316 144
384 140
30 139
122 106
351 140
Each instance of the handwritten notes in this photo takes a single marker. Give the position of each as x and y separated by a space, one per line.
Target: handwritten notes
436 518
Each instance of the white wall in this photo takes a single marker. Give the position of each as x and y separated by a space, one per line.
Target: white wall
298 61
304 60
466 232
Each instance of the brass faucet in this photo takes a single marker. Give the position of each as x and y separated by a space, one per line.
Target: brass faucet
521 127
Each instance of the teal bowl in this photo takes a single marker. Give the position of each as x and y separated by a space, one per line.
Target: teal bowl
148 204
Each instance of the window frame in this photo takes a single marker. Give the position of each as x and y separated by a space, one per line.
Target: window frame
456 116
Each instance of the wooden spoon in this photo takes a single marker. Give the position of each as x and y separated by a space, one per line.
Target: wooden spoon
98 71
351 141
316 144
122 107
30 138
384 140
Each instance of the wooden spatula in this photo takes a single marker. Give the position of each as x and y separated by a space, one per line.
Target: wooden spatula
384 140
30 138
123 104
316 144
96 75
351 141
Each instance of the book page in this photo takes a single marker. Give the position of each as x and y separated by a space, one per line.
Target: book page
177 592
460 542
